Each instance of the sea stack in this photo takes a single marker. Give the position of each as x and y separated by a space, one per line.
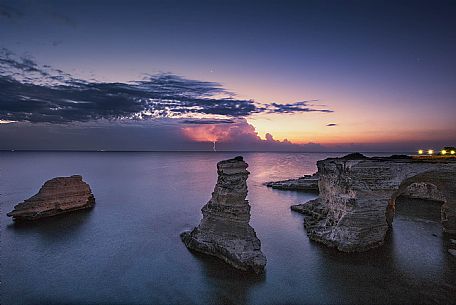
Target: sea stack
56 196
224 231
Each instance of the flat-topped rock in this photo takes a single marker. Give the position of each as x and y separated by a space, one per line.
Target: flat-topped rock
224 231
307 183
56 196
357 197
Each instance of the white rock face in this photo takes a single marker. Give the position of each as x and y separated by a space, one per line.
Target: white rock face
224 231
357 197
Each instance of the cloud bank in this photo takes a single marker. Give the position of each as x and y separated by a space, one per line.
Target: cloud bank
40 94
46 108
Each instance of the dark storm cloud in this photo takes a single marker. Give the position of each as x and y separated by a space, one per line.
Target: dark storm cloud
302 106
207 122
331 125
42 94
25 70
10 64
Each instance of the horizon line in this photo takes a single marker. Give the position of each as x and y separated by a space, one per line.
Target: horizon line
197 151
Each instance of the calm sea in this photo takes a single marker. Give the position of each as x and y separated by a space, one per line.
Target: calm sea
127 249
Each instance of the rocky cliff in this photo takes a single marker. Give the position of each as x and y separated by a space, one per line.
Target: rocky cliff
357 197
56 196
224 231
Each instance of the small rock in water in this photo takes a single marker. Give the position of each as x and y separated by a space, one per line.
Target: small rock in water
433 234
56 196
305 183
453 241
452 251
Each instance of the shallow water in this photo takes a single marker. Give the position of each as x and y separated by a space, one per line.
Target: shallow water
127 249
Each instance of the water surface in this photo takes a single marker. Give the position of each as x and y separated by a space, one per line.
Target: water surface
127 249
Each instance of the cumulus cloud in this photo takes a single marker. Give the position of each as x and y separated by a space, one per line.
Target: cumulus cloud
34 93
221 132
240 135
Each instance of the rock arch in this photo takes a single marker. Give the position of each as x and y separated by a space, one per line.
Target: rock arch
353 210
425 186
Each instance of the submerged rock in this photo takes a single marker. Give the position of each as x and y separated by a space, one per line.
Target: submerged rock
224 231
56 196
307 183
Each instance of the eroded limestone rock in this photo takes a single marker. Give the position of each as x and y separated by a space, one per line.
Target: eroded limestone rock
423 191
357 197
224 231
56 196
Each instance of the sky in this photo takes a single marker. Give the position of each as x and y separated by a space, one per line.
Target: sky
247 75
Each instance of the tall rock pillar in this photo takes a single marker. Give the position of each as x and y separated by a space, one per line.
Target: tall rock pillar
224 231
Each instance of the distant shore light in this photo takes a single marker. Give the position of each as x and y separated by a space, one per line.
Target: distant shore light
452 152
430 152
444 152
420 152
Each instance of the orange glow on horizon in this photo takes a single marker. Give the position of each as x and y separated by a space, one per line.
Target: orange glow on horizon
201 133
219 132
326 136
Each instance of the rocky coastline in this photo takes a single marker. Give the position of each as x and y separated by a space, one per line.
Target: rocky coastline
355 207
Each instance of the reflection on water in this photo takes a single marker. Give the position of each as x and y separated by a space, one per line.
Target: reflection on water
228 285
127 249
54 229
